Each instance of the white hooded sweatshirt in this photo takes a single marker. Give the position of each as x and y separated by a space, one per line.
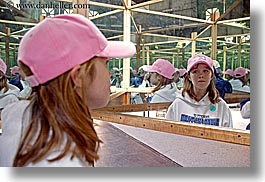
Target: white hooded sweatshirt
203 112
165 94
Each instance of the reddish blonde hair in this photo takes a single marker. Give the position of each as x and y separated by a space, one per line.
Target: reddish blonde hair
189 89
59 119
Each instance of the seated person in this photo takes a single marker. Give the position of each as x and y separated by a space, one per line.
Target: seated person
8 93
200 101
162 72
223 86
229 74
245 110
239 83
16 78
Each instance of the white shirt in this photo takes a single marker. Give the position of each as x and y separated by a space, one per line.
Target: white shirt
245 111
165 94
204 112
10 96
237 85
13 125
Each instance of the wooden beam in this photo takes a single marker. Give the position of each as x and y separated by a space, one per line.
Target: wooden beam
106 5
139 10
136 107
116 94
181 128
234 5
147 3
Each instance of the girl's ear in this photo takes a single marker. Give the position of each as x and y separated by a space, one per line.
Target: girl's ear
74 73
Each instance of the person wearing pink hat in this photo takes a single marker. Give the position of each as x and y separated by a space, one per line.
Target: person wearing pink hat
16 79
162 72
229 74
200 101
239 83
8 93
179 76
64 58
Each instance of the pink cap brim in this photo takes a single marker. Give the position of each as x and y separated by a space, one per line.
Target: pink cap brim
200 62
118 49
149 68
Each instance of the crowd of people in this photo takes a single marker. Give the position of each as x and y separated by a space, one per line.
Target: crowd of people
46 111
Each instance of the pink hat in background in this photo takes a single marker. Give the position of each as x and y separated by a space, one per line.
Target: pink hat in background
162 67
59 43
200 58
3 66
229 72
15 70
182 71
240 72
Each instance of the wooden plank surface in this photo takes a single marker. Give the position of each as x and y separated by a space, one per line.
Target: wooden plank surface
182 128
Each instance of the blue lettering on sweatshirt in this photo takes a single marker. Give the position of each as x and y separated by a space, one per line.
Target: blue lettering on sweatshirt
200 120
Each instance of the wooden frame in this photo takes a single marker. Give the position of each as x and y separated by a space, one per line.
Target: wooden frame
115 114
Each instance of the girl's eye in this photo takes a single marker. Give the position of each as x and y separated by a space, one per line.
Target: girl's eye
107 61
195 71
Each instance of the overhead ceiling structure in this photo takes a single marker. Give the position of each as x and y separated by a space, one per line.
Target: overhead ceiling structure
170 29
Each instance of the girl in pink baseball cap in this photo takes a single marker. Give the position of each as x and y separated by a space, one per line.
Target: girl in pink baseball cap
162 74
64 58
240 80
200 101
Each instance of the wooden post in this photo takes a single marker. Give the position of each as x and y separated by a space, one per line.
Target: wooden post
81 7
183 54
224 56
214 17
239 52
126 61
233 61
143 52
138 47
193 43
7 59
147 55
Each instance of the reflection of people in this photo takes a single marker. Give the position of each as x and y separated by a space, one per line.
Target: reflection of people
16 78
229 74
239 83
55 127
200 101
8 93
245 110
223 86
162 77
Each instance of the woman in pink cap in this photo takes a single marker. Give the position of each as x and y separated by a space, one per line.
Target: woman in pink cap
8 92
229 74
64 58
200 101
162 73
240 81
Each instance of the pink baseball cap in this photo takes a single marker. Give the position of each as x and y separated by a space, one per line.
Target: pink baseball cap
229 72
239 72
182 71
59 43
200 58
15 70
162 67
3 66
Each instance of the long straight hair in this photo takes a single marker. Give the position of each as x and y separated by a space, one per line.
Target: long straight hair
60 121
211 89
162 83
3 82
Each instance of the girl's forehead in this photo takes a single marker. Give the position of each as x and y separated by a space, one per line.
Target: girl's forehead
200 65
